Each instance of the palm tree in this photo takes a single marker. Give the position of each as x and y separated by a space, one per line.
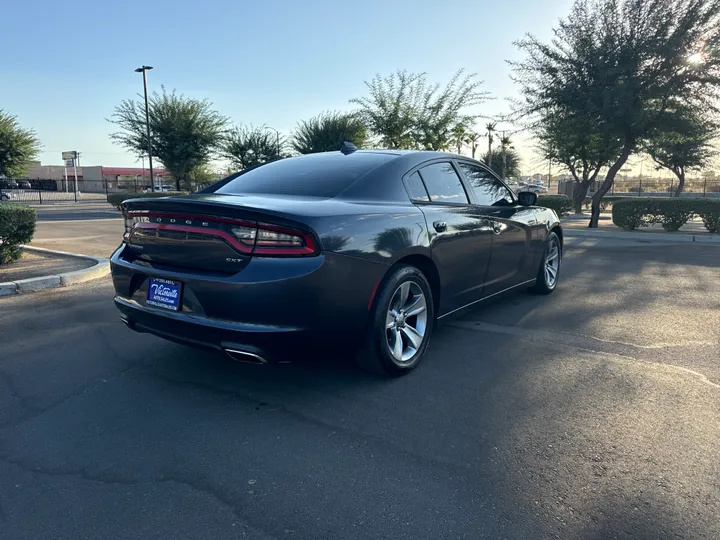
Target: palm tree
505 145
491 128
459 135
472 139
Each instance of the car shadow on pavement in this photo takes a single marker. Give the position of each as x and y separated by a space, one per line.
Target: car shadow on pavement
644 295
533 440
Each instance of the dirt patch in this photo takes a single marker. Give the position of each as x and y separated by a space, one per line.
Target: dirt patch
34 264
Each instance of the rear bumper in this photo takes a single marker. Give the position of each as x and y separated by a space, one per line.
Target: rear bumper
271 344
273 308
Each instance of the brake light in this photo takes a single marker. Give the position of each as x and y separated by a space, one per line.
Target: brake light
245 236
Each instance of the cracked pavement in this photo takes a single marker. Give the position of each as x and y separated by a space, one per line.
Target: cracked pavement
592 413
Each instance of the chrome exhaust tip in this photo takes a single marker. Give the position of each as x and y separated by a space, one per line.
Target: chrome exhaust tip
245 356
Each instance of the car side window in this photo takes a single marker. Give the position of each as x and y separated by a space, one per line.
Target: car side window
443 183
416 189
489 191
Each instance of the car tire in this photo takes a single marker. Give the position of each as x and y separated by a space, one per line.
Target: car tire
550 264
403 300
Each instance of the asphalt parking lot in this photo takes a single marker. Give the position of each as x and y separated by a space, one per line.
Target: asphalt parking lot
592 413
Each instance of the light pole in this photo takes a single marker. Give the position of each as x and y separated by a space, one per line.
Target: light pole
142 70
277 138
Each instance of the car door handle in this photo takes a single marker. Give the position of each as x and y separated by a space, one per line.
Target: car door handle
440 226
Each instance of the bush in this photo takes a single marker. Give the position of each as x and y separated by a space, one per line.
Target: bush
631 213
17 226
562 204
709 211
116 199
672 213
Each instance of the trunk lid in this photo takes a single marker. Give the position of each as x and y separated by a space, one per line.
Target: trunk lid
211 233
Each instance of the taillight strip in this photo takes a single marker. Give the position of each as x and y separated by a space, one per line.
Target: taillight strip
310 247
229 238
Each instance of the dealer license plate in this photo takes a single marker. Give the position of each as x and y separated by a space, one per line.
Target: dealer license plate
164 293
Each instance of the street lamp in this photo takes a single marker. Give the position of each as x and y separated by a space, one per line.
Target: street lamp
142 70
277 138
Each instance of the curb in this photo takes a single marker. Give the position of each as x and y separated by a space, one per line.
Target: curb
100 269
659 237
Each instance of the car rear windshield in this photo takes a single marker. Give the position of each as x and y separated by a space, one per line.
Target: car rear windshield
313 175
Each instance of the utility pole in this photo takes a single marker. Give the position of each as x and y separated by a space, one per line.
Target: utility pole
504 151
142 70
549 173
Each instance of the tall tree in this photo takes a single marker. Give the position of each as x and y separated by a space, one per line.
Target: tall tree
623 62
392 107
505 146
473 138
327 131
512 162
491 128
404 111
683 144
580 145
185 133
249 146
459 136
19 146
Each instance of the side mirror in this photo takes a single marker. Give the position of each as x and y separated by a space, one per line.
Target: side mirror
527 198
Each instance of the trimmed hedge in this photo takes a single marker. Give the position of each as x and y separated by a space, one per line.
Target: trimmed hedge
17 226
709 211
672 213
116 199
562 204
607 201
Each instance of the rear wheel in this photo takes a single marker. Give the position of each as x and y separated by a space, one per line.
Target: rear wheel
401 322
549 271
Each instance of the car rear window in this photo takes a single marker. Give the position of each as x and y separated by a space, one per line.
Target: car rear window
312 175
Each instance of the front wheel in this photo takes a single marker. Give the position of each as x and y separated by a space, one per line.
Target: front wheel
400 325
549 272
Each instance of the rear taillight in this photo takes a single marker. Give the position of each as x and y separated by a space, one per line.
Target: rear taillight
130 221
245 236
273 240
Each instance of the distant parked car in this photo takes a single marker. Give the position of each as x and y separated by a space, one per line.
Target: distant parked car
23 184
533 188
5 196
8 184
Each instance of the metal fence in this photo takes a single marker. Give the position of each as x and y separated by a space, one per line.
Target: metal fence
694 187
44 191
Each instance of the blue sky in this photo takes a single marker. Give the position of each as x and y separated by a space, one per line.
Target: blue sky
65 66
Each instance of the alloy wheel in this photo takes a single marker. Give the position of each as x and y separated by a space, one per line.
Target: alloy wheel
552 262
406 321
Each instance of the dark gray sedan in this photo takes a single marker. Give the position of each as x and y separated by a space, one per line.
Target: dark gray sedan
363 250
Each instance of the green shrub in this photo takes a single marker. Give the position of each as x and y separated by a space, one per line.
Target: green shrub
633 213
709 211
562 204
116 199
17 226
671 212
